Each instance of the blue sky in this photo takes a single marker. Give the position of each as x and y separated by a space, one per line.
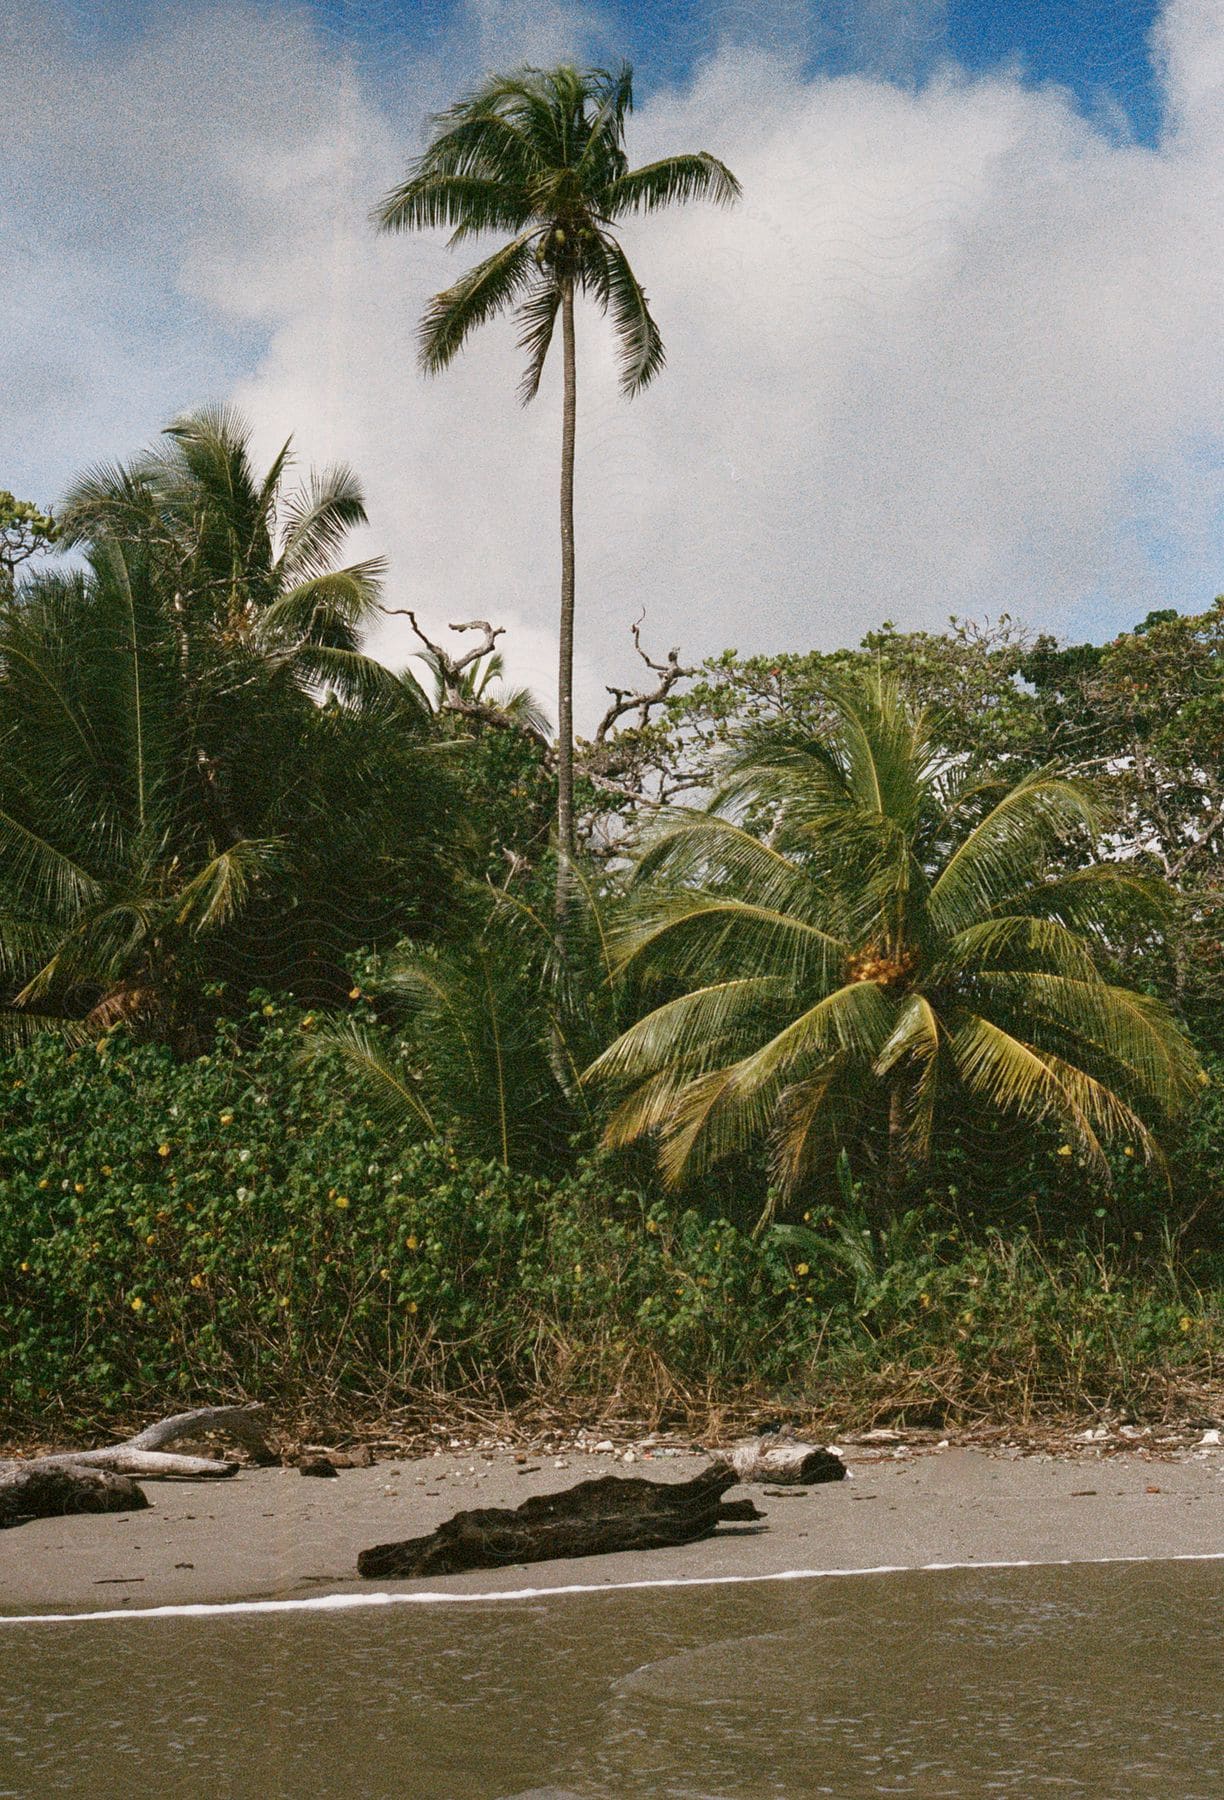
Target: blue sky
957 351
1098 48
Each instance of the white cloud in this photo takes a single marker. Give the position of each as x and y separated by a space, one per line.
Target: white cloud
957 350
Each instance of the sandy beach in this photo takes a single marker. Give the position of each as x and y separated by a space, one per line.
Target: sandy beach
273 1534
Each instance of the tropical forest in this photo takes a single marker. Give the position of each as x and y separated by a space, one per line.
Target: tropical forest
833 1033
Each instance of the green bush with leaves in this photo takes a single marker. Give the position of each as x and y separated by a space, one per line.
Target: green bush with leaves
231 1226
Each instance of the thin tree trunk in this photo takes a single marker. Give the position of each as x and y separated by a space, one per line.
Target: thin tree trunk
897 1162
565 674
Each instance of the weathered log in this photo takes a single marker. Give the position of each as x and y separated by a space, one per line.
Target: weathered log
592 1519
780 1458
34 1491
142 1455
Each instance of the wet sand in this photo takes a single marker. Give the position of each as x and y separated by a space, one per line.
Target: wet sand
273 1534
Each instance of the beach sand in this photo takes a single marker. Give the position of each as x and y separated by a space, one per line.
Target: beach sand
273 1534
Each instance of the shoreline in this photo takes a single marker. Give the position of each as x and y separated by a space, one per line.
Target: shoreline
270 1534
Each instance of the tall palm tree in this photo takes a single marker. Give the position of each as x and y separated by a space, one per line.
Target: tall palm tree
540 154
859 927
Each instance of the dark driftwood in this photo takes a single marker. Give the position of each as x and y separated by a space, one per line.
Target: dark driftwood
99 1480
38 1492
591 1519
781 1459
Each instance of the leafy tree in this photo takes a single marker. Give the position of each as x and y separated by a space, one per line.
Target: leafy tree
24 533
176 806
1143 718
862 928
540 154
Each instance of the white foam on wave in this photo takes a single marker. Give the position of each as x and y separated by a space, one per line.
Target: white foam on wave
432 1597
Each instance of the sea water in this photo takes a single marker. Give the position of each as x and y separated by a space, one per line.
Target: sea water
1079 1680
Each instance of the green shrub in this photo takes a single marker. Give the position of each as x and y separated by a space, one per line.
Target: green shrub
231 1227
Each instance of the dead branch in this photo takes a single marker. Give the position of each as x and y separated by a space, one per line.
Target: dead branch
642 701
50 1482
456 694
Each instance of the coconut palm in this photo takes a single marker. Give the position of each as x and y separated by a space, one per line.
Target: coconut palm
540 154
177 804
859 928
247 559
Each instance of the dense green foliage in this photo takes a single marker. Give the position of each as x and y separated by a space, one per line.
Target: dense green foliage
859 922
880 1078
229 1225
177 807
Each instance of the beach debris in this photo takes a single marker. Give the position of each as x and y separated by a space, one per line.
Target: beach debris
781 1458
1209 1439
318 1464
79 1481
594 1518
359 1457
31 1492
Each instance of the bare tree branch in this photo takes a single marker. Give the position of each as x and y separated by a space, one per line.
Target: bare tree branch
629 700
455 696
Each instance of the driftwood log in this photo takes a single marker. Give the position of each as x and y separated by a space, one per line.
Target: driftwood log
778 1457
31 1492
84 1481
591 1519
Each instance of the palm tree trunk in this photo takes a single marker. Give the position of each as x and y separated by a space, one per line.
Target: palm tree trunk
565 674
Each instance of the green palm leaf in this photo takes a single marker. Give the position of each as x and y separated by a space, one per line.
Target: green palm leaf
671 181
851 951
639 343
476 297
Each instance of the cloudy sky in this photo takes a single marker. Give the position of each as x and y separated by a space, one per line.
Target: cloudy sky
957 351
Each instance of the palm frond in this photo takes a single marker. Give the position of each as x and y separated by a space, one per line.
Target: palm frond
1006 848
537 318
219 890
689 1031
687 932
390 1091
810 1114
1018 1078
639 345
1134 1031
489 288
316 521
466 204
670 181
